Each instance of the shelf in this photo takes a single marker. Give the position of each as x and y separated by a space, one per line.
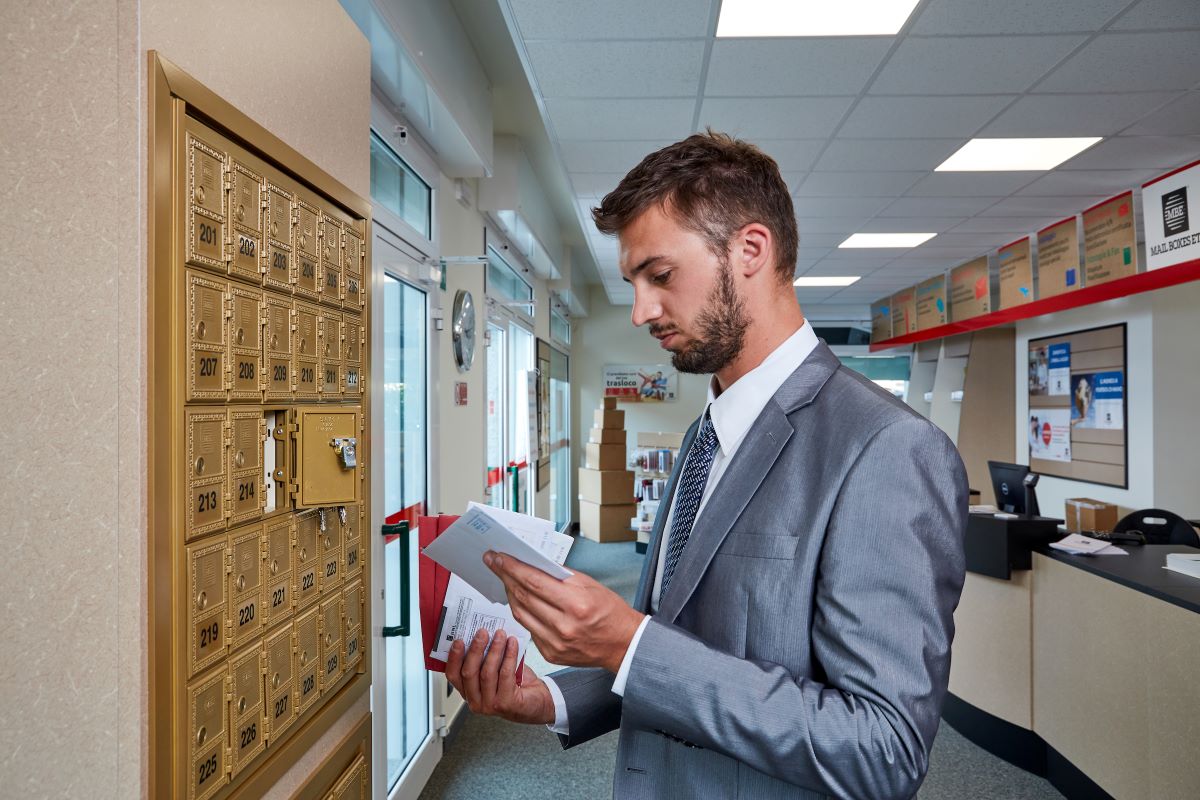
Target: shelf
1121 287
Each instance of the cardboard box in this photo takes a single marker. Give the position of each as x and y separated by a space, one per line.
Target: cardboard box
607 523
1058 268
970 290
608 418
605 486
607 435
881 319
931 303
604 456
609 403
1086 514
1016 273
904 312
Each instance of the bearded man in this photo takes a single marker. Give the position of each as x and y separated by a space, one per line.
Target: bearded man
791 633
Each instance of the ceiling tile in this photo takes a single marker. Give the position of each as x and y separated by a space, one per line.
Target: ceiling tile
1015 16
1007 225
612 19
1075 114
1130 62
1138 152
789 118
843 226
814 239
617 69
1180 118
857 184
832 268
971 65
911 224
937 206
792 155
618 157
1170 15
620 119
597 183
971 184
868 155
1025 206
839 206
958 253
1086 183
921 117
956 239
792 66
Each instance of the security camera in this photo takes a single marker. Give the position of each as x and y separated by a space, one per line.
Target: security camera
402 134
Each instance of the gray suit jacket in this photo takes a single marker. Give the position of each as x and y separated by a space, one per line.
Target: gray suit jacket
803 647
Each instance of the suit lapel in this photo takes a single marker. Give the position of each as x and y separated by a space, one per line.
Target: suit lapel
755 456
646 584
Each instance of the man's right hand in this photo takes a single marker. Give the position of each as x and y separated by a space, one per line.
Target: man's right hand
489 684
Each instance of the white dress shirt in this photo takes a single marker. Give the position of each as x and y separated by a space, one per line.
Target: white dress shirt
733 412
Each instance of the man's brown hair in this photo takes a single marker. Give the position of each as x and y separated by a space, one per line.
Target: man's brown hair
713 184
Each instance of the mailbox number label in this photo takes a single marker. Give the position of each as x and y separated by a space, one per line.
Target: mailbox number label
280 372
246 370
309 684
331 664
331 569
208 233
249 735
246 614
278 597
352 558
206 501
281 706
209 635
279 262
246 246
308 270
307 374
307 581
245 491
208 367
207 769
351 648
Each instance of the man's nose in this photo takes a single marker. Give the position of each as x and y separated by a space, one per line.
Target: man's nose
645 308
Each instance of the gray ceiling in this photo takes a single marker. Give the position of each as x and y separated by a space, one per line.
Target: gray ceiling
858 124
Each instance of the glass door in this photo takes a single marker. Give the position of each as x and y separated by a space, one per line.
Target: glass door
497 414
407 746
560 438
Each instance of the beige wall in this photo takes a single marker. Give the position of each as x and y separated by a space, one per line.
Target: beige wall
73 217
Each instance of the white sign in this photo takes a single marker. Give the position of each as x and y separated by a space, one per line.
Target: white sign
1050 433
1172 226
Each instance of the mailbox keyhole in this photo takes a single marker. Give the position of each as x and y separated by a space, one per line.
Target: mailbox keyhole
241 705
274 341
303 241
303 345
240 458
201 735
241 582
200 195
241 212
328 639
202 601
303 553
328 543
274 566
303 657
241 335
275 681
200 330
200 465
275 229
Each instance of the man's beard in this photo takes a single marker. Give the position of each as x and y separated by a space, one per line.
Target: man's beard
722 325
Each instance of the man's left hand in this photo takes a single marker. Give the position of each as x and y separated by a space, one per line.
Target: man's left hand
576 622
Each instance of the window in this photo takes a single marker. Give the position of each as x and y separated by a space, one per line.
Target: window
560 328
397 188
506 286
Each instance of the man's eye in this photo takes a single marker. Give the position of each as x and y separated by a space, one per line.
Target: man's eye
661 277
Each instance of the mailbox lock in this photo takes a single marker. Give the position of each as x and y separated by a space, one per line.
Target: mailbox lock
241 705
328 639
200 465
275 230
241 334
241 582
241 212
200 329
303 241
274 566
279 475
201 735
303 657
345 448
274 341
240 458
275 681
202 601
328 543
304 554
200 195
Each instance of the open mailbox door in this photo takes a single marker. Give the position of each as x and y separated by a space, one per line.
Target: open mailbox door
327 468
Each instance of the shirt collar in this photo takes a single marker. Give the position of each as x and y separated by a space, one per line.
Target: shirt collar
736 409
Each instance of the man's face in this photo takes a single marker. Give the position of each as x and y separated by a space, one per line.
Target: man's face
683 292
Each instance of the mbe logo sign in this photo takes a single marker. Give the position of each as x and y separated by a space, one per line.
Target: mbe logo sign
1175 211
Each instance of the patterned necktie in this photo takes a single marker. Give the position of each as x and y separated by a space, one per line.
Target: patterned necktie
688 495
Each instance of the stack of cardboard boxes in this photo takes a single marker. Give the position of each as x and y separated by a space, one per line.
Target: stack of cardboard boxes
606 502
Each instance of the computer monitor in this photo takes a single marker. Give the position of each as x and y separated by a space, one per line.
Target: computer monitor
1008 481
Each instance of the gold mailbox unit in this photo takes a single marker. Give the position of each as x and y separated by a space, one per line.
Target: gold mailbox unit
258 457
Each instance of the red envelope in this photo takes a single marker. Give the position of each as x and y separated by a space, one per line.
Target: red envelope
433 579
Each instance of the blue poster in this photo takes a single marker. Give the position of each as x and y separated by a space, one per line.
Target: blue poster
1098 400
1059 368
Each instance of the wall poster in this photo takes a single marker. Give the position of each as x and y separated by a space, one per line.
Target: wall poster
645 383
1077 424
1171 238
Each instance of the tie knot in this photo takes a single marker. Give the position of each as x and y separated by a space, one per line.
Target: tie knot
708 433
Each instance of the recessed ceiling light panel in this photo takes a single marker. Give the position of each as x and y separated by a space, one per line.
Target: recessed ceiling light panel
813 17
896 240
837 280
1011 155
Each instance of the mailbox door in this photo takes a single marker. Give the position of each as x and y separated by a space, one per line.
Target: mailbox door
352 272
331 261
323 475
354 598
206 197
306 364
308 558
331 555
277 570
331 641
246 584
249 720
277 271
308 655
281 701
351 558
307 246
277 347
206 604
329 338
352 332
246 481
245 216
208 720
206 337
245 344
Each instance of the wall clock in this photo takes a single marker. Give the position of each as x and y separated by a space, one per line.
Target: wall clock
463 330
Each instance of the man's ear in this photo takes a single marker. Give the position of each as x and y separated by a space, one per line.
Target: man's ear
752 249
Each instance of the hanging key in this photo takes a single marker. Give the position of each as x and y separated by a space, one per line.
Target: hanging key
342 514
321 516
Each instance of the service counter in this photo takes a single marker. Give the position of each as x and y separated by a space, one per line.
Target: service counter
1084 669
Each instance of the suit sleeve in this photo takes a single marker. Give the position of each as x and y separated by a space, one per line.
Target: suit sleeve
592 708
889 578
